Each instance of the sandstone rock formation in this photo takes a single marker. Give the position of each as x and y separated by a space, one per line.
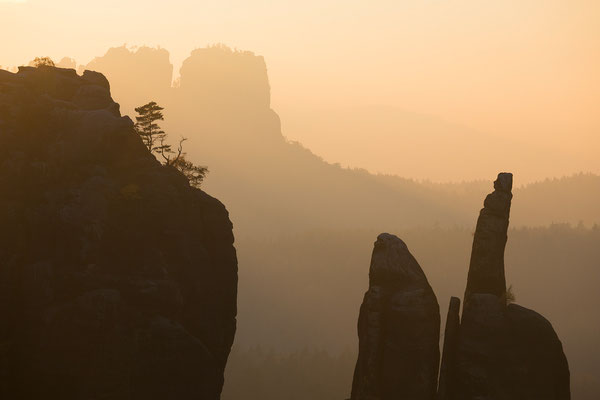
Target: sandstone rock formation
398 328
486 270
499 352
117 279
145 71
496 351
235 79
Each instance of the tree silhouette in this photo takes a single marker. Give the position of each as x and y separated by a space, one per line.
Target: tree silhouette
147 127
43 61
194 173
154 138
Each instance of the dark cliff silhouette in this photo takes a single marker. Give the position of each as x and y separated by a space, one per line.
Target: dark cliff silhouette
117 278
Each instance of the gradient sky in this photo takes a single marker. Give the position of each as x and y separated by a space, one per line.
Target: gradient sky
524 68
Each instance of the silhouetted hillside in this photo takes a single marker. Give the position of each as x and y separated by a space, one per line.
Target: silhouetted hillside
405 143
570 199
430 147
573 199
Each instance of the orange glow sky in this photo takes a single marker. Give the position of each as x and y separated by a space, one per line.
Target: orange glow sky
523 68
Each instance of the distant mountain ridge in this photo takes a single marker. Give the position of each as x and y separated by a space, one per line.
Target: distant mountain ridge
418 145
222 103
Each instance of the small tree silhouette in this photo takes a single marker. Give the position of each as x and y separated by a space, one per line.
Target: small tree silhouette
194 173
43 61
147 127
154 139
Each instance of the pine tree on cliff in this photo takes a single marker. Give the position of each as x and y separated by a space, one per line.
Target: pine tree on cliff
147 127
154 139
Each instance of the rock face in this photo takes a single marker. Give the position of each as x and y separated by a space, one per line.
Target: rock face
398 328
500 352
117 279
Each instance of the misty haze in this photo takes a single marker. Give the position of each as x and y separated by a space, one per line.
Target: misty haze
388 201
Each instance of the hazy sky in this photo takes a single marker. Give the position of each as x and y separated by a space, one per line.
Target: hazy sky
524 68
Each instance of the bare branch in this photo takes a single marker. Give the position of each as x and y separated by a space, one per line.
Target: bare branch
179 149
